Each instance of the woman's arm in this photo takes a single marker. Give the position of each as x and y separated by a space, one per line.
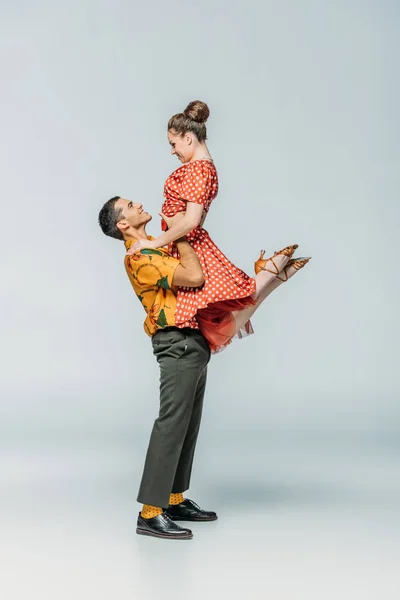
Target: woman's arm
191 220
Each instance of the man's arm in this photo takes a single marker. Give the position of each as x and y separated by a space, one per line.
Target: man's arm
189 272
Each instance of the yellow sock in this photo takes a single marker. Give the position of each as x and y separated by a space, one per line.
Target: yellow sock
176 499
148 511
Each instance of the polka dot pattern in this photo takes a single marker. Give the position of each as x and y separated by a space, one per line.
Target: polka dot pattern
193 182
175 499
198 182
148 511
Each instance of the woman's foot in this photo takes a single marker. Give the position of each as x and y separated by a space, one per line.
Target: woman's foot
275 263
294 265
287 272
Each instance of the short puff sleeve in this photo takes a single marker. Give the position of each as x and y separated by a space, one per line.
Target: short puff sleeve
197 183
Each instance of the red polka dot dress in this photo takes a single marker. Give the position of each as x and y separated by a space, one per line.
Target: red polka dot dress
226 288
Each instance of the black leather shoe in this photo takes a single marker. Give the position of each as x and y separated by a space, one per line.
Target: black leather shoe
189 511
162 527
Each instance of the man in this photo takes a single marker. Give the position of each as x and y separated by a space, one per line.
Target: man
182 354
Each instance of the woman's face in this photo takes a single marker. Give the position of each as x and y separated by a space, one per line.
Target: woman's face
181 145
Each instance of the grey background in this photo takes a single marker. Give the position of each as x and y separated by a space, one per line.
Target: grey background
304 132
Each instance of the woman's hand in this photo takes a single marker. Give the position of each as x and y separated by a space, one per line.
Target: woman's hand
171 220
139 245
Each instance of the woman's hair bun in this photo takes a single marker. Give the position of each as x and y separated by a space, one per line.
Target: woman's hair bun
197 111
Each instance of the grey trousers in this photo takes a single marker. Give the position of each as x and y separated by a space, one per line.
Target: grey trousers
182 355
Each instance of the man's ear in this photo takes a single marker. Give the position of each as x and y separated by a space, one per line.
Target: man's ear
123 225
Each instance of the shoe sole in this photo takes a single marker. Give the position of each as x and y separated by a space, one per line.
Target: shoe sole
164 537
193 520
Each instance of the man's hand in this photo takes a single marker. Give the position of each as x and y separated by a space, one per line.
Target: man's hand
172 220
139 245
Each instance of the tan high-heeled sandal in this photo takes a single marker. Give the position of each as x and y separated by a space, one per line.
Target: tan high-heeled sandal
260 264
297 263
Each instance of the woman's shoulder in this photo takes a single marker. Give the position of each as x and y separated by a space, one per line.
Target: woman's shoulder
201 167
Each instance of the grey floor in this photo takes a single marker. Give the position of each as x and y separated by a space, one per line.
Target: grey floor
299 517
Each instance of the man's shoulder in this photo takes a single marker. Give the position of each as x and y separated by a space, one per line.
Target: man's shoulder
148 255
159 258
155 251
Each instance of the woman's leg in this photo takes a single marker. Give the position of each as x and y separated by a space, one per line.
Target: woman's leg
272 269
242 316
268 269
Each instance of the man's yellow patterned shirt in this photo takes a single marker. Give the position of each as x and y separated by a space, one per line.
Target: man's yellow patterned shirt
151 273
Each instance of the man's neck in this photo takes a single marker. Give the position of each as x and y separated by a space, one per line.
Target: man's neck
136 234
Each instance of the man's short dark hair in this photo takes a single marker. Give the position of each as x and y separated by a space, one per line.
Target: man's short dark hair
109 216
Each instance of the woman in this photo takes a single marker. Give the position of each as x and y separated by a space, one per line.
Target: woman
228 298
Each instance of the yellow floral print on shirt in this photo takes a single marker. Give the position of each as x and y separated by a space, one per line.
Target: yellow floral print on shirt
151 273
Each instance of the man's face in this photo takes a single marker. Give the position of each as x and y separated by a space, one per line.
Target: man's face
132 213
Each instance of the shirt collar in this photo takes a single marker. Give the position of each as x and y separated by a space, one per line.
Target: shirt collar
131 241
